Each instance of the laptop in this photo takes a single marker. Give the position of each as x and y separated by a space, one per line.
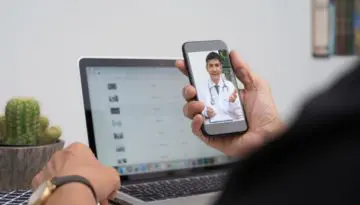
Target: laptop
135 124
18 197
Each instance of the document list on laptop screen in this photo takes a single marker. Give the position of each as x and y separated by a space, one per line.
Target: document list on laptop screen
138 121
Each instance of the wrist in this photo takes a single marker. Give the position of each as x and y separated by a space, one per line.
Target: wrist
74 192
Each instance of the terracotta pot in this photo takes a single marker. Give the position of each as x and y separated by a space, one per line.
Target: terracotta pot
19 164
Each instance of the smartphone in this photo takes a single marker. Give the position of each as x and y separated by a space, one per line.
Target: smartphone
320 28
211 73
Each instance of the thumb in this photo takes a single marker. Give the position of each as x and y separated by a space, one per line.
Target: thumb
242 70
111 197
105 202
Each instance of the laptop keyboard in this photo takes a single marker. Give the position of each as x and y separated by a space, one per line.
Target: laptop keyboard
19 197
152 191
167 189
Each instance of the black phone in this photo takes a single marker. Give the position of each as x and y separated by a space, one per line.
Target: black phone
211 73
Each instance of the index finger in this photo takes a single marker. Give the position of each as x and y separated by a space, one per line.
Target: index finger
181 66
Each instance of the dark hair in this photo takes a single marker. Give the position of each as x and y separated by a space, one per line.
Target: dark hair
213 56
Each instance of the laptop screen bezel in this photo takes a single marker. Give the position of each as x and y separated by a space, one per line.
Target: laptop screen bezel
131 62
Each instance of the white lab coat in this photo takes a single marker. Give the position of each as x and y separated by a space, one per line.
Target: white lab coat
224 109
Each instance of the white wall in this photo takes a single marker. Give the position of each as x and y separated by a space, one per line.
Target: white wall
41 41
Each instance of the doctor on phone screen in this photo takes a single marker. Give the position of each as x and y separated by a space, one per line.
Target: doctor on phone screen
221 100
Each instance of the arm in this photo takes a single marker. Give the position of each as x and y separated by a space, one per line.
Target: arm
77 159
235 107
72 194
204 98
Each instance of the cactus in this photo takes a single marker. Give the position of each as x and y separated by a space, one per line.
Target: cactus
51 134
22 121
44 123
23 124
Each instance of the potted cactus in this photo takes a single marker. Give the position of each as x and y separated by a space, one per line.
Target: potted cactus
26 143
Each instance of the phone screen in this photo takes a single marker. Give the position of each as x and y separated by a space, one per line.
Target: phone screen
218 88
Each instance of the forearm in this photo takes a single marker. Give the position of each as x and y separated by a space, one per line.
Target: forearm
72 194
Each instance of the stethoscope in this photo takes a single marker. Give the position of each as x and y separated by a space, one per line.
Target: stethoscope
223 87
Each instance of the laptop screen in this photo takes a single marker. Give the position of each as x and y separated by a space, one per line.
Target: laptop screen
139 126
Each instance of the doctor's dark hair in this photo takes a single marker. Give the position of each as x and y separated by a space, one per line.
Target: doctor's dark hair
213 56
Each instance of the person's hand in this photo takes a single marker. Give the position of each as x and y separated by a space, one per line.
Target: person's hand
78 159
233 96
262 116
210 112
